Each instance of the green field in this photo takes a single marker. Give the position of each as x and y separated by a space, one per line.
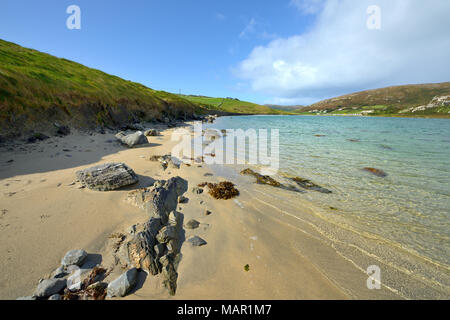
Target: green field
231 105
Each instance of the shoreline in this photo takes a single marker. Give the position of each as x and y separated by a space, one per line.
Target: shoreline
288 257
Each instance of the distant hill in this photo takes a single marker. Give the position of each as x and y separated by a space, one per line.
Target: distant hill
231 105
408 100
37 89
285 108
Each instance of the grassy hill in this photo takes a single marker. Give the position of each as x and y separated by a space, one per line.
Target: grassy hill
390 101
231 105
37 89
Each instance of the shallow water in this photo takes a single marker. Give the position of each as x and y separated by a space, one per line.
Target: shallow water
409 208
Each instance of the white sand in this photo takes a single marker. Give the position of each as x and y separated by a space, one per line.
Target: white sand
44 217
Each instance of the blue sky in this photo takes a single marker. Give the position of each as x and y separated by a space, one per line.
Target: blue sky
291 51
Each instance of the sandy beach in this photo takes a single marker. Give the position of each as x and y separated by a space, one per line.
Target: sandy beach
45 214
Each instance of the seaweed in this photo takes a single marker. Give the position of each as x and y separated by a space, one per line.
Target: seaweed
88 289
223 190
260 179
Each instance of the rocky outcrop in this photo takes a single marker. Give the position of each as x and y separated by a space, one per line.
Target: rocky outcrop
154 246
108 176
438 101
160 199
131 140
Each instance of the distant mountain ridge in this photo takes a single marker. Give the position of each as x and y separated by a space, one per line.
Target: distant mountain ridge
403 100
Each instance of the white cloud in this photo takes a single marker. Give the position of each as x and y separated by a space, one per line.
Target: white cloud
340 54
249 28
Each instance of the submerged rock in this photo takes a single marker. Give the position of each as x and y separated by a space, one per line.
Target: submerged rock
123 284
73 257
377 172
49 287
309 185
108 176
260 179
133 139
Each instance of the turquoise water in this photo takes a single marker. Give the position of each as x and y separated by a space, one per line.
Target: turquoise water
410 207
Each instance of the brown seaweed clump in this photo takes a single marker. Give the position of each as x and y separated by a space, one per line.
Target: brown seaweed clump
223 190
260 179
91 288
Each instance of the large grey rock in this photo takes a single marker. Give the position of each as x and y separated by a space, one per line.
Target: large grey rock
50 287
133 139
123 284
73 257
196 241
108 176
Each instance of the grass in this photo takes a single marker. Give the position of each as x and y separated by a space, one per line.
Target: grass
36 86
231 105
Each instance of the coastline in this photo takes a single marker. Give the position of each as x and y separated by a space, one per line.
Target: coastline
289 257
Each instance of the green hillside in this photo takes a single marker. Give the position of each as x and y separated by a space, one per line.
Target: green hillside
391 101
37 89
231 105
